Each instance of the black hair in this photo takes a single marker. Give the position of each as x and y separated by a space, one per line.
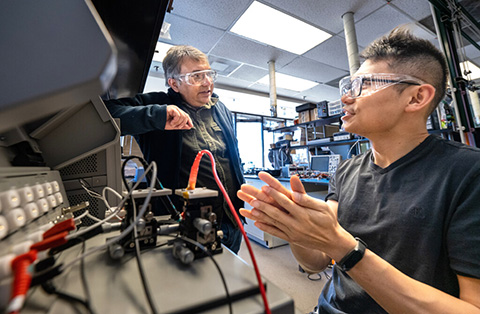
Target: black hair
411 55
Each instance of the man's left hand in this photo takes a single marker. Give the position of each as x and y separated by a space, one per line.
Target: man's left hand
296 217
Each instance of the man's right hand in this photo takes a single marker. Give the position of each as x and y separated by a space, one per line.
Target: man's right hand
177 119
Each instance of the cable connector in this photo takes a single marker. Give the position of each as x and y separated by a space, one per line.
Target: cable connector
74 208
51 242
109 227
192 180
66 225
21 281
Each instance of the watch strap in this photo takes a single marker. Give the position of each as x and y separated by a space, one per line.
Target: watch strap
354 256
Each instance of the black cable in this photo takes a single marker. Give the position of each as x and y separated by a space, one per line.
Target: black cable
146 288
310 277
227 293
49 288
161 244
170 206
83 278
124 164
173 212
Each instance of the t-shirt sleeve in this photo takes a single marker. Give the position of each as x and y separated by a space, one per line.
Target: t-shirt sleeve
332 189
463 235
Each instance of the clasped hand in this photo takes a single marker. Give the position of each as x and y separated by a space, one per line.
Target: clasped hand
293 215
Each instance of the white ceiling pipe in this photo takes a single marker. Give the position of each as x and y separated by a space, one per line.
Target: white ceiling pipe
273 88
351 41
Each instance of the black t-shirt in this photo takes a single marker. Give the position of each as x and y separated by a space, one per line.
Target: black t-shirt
421 214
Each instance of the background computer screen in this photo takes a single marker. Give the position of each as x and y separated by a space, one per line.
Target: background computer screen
320 163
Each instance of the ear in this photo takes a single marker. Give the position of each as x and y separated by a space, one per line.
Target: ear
173 84
420 98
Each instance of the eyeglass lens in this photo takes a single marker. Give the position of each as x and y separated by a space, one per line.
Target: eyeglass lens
199 77
351 87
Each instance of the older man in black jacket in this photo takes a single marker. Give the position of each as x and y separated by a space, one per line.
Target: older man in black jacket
171 128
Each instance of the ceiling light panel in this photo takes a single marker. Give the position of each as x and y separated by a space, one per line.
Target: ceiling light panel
288 82
272 27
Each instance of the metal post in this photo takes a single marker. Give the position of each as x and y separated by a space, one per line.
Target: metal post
459 94
273 88
351 41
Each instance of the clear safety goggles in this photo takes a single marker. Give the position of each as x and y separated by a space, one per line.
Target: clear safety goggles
367 84
198 77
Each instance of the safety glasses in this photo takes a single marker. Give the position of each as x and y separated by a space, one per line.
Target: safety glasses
198 77
367 84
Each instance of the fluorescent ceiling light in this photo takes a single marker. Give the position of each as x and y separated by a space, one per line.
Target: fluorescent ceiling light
288 82
161 51
262 23
472 67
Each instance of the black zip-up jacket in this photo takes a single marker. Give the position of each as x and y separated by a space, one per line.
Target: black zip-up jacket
144 116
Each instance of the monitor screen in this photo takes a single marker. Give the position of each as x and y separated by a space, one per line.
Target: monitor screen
320 163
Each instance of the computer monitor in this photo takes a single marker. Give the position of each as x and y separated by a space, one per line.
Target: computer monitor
56 56
325 163
319 163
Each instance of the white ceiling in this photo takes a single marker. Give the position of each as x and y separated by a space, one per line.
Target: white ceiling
205 24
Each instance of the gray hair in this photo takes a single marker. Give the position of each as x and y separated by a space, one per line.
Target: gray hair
172 62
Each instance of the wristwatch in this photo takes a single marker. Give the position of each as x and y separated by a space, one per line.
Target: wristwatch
354 256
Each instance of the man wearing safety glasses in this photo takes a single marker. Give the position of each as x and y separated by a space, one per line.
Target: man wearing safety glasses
401 221
171 128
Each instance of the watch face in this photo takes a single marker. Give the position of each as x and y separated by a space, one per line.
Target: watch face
352 258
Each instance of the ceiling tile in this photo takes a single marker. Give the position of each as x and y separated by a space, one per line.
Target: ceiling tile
247 51
231 81
332 52
281 92
250 73
476 61
260 88
472 51
311 70
321 92
218 13
388 17
223 66
186 32
287 92
326 14
416 9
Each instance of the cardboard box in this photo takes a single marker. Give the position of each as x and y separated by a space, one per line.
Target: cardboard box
304 116
330 129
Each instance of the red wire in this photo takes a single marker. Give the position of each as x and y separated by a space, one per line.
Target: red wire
22 277
191 185
192 180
